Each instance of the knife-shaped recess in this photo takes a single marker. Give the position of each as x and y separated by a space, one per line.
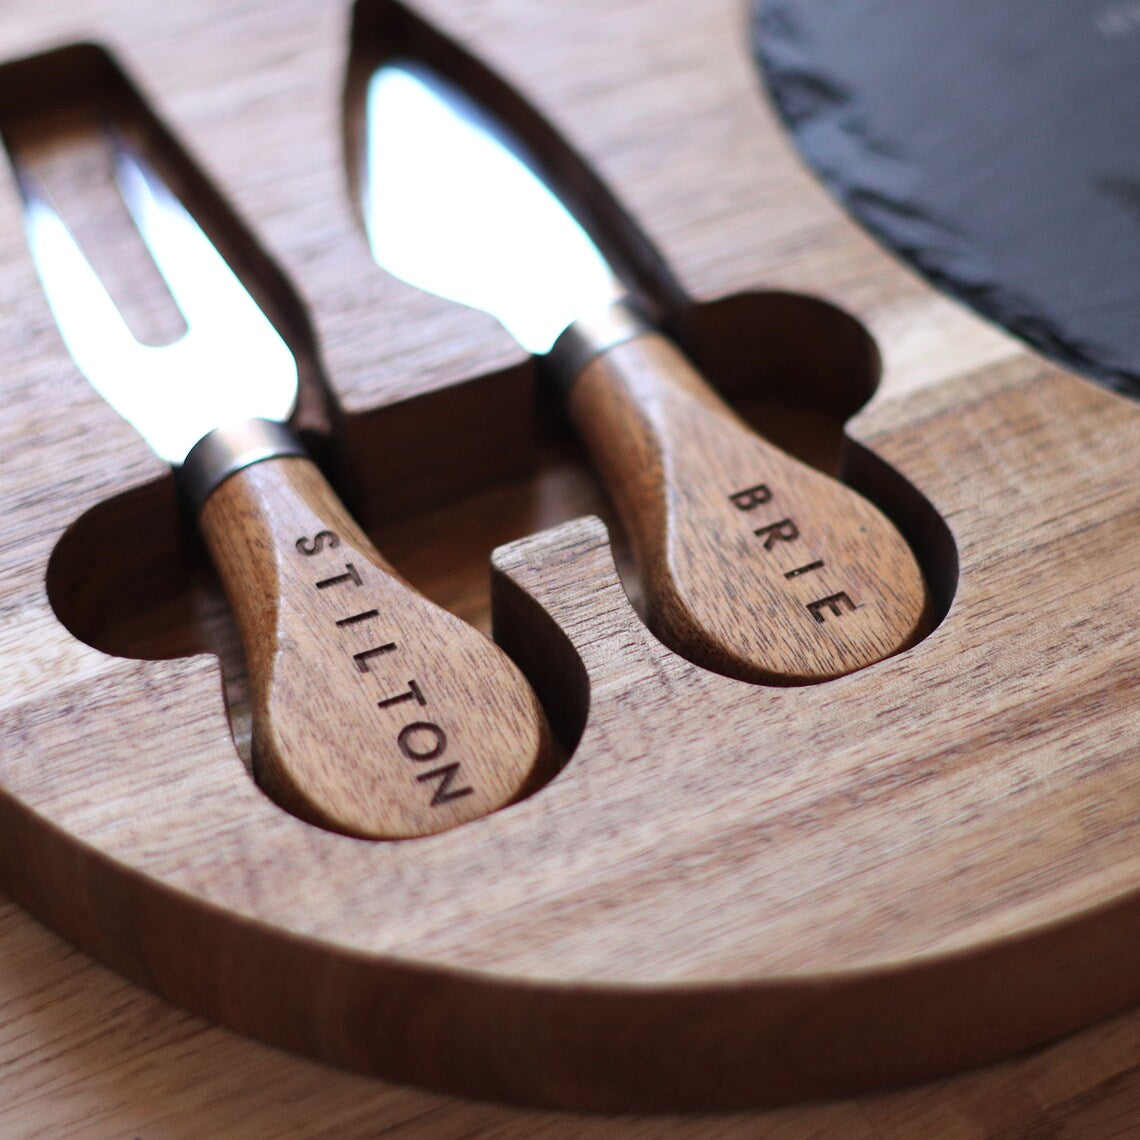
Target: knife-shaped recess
754 564
375 712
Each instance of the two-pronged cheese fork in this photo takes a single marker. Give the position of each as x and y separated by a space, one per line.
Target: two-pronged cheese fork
375 712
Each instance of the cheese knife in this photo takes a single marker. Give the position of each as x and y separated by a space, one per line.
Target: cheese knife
375 712
754 564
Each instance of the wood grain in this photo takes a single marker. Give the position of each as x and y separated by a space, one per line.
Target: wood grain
730 893
374 712
754 564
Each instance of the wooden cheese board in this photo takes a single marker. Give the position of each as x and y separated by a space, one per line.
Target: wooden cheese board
730 894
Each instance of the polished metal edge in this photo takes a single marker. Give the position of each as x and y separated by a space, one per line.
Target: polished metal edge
226 450
586 338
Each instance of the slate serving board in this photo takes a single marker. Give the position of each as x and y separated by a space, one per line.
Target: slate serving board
994 146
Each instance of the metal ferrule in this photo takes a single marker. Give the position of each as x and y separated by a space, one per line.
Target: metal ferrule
586 338
226 450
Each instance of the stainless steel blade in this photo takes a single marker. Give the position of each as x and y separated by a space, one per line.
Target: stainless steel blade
231 364
452 205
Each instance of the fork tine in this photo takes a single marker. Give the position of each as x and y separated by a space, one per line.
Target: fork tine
202 284
77 297
175 393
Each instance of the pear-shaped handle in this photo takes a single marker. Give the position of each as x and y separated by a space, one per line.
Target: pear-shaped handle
754 564
375 712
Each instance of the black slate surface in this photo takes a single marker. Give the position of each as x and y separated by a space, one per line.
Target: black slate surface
995 144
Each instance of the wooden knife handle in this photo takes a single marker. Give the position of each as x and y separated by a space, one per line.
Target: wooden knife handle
375 712
754 564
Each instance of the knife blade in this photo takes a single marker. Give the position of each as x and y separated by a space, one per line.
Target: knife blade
754 564
375 712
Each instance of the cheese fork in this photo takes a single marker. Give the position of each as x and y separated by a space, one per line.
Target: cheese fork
375 712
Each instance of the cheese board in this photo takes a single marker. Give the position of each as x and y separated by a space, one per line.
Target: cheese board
730 893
